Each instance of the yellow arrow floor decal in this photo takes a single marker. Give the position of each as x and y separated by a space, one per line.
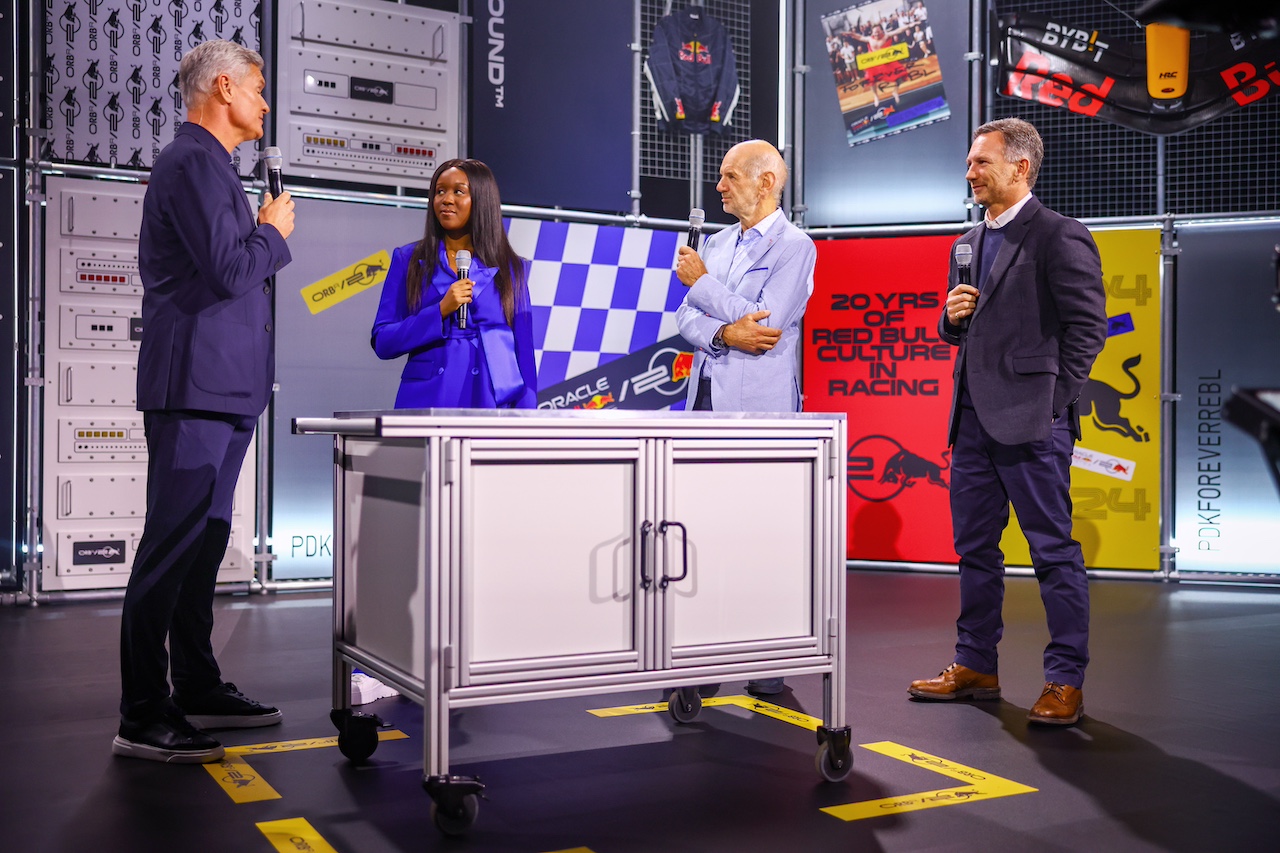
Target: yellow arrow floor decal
240 781
982 786
307 743
294 834
768 709
243 784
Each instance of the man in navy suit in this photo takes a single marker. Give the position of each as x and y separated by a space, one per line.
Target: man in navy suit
1029 328
206 366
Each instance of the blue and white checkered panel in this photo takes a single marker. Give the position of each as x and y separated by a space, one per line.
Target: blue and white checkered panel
599 292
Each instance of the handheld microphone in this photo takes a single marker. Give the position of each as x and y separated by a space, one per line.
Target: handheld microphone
463 260
964 268
273 160
696 218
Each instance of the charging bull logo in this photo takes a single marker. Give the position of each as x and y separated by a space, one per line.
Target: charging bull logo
113 28
218 14
906 467
597 401
1102 403
879 469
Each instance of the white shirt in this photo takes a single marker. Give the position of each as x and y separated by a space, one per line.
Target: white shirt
1008 216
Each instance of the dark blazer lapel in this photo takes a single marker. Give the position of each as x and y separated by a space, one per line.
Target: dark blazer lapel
1014 233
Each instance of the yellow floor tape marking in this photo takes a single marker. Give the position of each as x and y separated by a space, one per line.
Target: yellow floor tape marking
308 743
240 781
243 784
777 712
655 707
768 709
981 786
294 834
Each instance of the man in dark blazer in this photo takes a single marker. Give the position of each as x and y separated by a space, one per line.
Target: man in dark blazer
206 366
1028 329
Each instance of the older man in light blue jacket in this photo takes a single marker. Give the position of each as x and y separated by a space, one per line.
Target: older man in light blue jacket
747 292
745 300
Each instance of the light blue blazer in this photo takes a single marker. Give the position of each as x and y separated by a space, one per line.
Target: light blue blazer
776 275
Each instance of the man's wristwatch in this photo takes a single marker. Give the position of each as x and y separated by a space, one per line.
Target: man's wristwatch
718 341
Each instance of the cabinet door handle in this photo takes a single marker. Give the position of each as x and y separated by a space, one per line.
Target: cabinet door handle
684 547
645 529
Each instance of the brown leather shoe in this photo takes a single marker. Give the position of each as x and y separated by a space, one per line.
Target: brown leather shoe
956 682
1059 705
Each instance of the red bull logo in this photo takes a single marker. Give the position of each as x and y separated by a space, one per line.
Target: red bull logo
695 51
1102 403
598 401
879 469
682 366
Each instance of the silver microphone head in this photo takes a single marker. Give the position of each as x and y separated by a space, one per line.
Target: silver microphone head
697 216
463 260
272 158
964 255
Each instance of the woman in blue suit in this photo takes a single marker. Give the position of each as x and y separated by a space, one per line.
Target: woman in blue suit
489 364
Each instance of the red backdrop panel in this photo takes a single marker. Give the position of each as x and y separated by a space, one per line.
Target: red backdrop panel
872 350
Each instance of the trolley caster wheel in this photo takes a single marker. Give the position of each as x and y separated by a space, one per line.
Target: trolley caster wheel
455 801
357 734
457 820
684 705
829 767
834 760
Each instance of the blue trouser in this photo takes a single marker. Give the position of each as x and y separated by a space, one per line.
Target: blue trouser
193 462
986 477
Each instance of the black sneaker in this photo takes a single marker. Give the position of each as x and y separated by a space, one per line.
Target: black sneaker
225 707
170 739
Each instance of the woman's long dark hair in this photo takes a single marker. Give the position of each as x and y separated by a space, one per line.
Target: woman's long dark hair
487 236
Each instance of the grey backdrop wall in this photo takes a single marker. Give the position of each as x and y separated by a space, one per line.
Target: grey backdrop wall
1227 334
324 364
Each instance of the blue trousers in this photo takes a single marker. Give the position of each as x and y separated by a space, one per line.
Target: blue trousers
986 477
193 462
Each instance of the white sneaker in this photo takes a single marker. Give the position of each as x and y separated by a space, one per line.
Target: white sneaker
365 689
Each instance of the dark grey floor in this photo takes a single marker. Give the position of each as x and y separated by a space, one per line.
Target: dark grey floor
1180 748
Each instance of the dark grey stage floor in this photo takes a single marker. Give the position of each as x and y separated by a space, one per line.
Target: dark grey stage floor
1180 748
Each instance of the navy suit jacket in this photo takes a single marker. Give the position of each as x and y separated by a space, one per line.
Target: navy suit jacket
1040 322
208 340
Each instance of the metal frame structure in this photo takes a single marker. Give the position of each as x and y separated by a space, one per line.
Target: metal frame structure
634 580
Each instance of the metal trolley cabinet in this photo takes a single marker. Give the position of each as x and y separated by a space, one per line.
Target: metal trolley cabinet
483 557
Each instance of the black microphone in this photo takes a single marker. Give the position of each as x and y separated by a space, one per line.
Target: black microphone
273 160
964 267
696 218
463 260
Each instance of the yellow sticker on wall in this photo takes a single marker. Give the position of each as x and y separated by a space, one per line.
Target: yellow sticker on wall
346 283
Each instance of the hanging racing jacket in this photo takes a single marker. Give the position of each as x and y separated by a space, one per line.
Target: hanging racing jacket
692 72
